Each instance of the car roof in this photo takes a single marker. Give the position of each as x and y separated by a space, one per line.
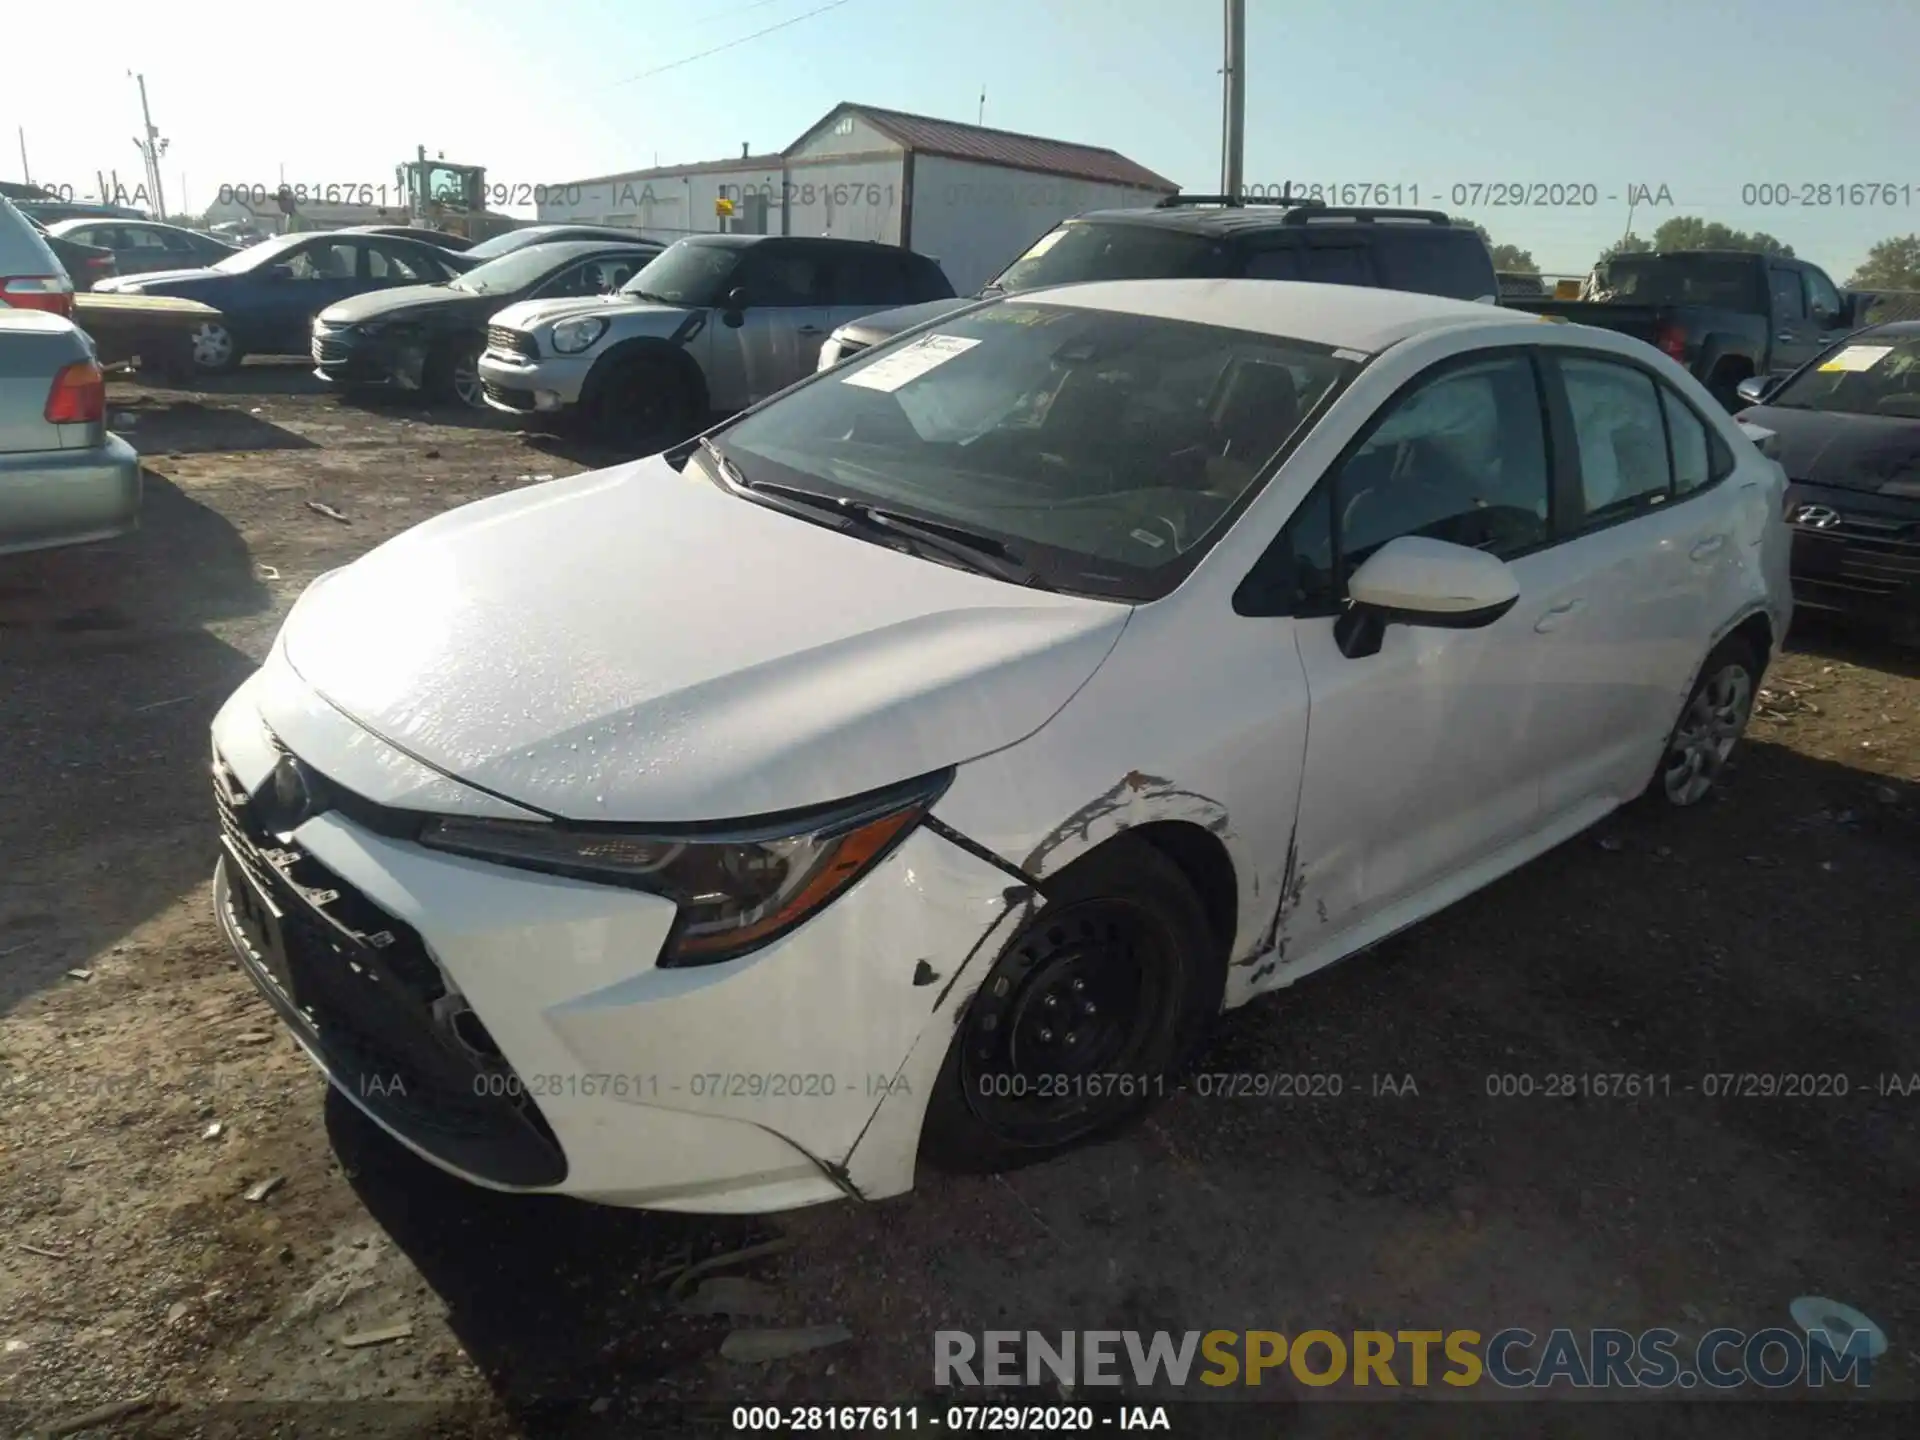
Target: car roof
1892 329
1229 220
743 240
571 249
1347 317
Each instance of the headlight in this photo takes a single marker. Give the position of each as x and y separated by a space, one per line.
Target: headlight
570 337
736 890
829 355
371 328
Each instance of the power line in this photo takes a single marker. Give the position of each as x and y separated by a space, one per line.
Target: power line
689 59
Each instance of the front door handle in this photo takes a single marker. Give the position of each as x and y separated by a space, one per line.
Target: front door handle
1786 339
1708 547
810 330
1558 613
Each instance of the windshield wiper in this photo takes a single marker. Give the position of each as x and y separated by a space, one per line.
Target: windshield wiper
976 551
729 471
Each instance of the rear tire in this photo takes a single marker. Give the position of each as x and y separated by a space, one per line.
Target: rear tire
212 349
1085 1019
643 405
1710 726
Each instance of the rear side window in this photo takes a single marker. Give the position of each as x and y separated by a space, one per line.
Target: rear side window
1789 300
1620 433
926 280
1275 263
868 277
1700 457
1433 260
1338 265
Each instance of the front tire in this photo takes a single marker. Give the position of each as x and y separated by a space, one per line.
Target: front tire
643 405
453 374
1710 725
1084 1020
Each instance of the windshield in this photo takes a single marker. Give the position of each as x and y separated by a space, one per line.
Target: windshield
505 244
255 256
515 271
1091 250
1108 449
687 272
1869 375
1682 280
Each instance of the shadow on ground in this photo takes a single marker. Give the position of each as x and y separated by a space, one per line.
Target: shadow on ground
1834 637
110 684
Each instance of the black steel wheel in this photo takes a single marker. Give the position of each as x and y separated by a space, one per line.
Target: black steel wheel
1084 1020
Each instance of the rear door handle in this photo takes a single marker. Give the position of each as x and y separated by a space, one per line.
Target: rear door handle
1558 613
811 330
1786 339
1708 547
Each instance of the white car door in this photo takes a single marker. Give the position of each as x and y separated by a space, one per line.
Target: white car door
1634 605
1425 759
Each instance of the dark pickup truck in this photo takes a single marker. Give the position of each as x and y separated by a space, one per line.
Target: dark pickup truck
1725 315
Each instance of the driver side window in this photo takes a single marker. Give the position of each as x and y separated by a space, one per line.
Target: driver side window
1462 457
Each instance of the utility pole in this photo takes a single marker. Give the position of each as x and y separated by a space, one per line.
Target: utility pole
152 147
26 175
983 107
1233 141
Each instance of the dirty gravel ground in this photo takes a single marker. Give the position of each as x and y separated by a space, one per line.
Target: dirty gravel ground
1777 931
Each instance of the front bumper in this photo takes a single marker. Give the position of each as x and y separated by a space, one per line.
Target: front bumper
797 1074
523 387
68 497
1862 558
342 357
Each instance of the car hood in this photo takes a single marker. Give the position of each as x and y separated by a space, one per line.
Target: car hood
1878 453
529 314
389 304
872 329
160 282
637 645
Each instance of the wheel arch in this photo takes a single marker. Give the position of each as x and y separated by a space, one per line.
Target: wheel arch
645 347
1196 851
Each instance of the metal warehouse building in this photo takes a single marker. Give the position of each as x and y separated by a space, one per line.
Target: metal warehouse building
971 197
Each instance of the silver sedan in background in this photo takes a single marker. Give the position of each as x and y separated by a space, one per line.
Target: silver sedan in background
63 478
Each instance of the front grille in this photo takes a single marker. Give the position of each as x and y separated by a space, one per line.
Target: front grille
503 341
1871 557
512 399
362 988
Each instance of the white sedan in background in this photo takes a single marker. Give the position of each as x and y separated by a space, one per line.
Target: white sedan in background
919 762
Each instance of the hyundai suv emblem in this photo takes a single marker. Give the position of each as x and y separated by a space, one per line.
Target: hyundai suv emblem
1816 517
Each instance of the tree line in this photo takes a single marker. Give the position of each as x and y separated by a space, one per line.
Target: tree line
1893 264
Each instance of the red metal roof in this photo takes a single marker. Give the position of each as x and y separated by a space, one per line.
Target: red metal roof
928 136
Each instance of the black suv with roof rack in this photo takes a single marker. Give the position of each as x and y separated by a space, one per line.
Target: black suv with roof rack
1198 237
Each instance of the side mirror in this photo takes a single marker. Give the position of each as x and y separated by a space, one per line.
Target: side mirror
279 272
737 298
1754 389
1417 581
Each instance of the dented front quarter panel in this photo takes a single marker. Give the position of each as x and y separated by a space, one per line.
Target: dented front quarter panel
1190 720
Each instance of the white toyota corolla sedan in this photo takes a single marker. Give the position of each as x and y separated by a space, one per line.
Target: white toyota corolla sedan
916 764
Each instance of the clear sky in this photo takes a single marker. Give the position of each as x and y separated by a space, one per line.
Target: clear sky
1702 98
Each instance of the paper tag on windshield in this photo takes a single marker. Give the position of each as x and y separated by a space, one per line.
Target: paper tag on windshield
1858 357
904 366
